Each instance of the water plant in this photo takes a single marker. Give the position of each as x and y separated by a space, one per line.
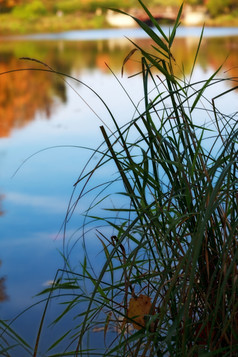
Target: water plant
169 281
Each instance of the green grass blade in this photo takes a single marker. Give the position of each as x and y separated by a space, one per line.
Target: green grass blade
148 30
154 22
176 25
201 91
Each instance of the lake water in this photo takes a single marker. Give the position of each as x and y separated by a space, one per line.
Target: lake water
46 126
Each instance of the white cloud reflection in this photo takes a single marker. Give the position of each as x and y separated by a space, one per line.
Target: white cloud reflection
48 203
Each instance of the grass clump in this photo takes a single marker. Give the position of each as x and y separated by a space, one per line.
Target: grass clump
169 282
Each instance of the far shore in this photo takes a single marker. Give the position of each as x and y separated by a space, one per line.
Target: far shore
10 25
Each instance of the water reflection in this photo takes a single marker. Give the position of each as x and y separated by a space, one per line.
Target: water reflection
36 200
3 295
1 210
26 94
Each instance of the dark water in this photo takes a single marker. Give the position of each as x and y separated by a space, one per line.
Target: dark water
39 110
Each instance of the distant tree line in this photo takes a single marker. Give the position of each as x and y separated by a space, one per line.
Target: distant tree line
41 7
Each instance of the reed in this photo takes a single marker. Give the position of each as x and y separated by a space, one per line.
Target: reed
169 282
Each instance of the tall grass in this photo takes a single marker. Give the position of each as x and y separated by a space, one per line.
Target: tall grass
169 282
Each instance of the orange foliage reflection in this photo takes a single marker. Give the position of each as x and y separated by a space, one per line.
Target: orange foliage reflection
22 95
219 51
213 53
26 93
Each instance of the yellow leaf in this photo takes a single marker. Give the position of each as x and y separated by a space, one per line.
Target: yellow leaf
139 307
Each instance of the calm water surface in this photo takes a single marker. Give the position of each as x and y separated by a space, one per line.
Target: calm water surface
40 113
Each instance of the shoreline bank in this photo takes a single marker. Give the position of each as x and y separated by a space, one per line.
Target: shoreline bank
11 26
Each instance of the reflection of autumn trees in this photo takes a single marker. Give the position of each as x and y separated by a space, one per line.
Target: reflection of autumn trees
213 53
3 295
21 95
219 51
24 94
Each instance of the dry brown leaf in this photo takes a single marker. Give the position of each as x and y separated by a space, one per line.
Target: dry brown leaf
139 307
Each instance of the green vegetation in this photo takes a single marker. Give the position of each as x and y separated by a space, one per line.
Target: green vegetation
45 24
169 281
218 7
24 16
215 6
229 20
30 11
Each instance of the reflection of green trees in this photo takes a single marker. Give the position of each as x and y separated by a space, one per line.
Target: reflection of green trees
24 94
